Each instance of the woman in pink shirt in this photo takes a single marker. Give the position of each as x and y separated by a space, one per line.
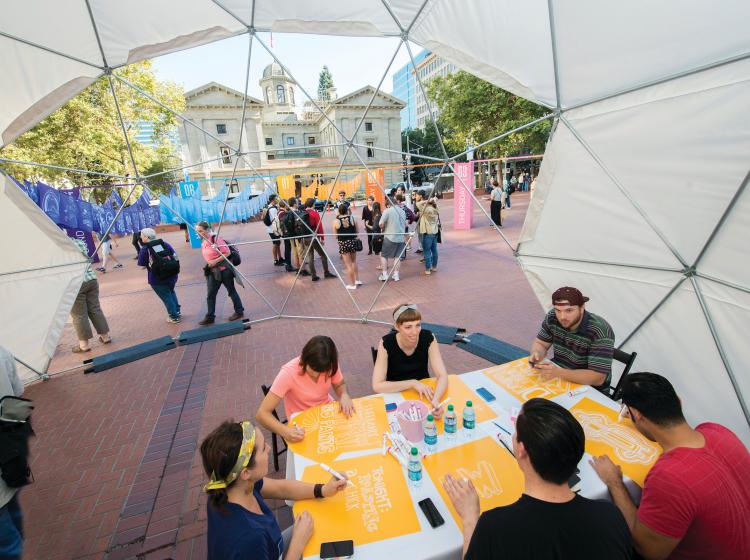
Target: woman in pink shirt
304 382
218 273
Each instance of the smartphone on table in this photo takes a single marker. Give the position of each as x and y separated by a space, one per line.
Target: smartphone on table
336 549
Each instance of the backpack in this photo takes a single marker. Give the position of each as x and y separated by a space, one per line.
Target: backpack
164 263
234 255
279 224
265 216
410 217
298 223
15 432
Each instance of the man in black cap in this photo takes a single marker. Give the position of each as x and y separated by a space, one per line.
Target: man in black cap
583 342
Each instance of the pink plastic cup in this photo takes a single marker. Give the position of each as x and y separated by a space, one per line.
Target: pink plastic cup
412 429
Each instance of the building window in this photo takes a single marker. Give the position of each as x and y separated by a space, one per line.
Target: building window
269 141
290 140
225 154
221 129
291 95
311 140
368 127
280 96
271 156
370 149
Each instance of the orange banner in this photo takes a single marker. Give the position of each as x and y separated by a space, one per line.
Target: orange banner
371 185
377 507
606 434
328 433
285 186
525 382
492 470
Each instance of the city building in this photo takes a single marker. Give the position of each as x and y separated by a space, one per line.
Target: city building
405 87
145 135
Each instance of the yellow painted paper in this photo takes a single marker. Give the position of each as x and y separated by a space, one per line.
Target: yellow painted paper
285 185
328 433
525 382
489 466
625 445
378 507
459 393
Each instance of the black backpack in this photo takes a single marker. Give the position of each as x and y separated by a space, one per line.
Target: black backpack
299 223
266 216
163 261
234 254
14 442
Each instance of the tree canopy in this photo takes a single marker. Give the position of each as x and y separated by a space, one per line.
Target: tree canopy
325 84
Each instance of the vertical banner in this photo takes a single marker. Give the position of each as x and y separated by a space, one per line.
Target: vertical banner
462 207
371 185
285 186
87 238
189 190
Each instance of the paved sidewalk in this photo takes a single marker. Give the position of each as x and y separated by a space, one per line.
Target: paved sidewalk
115 459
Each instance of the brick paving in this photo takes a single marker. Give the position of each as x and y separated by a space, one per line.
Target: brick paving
117 472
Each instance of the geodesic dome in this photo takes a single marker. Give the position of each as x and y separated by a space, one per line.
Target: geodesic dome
641 201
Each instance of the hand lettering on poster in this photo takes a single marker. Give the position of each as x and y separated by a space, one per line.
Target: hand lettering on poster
627 444
484 478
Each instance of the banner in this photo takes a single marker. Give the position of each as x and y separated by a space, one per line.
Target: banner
87 238
192 211
285 186
463 212
371 185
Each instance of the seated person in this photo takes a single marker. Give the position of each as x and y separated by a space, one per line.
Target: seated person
403 357
240 524
583 342
549 520
302 383
696 497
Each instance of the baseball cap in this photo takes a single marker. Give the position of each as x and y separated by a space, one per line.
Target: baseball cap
567 293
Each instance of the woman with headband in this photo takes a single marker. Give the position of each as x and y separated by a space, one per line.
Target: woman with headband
403 358
240 524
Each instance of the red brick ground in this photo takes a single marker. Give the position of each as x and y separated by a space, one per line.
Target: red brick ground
115 458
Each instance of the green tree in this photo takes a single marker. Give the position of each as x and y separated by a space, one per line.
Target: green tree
325 84
474 111
85 133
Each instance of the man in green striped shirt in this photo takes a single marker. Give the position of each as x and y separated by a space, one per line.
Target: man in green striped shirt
583 342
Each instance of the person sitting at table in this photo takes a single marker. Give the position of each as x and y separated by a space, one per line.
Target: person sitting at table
302 383
549 520
240 524
696 497
403 357
583 342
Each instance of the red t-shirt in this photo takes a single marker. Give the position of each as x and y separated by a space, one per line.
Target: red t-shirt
315 223
702 496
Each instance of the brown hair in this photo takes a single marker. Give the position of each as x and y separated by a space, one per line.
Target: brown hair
309 203
205 225
400 197
219 451
321 355
408 315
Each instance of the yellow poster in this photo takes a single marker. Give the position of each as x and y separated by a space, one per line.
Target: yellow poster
285 186
328 433
524 382
378 507
459 393
625 445
492 470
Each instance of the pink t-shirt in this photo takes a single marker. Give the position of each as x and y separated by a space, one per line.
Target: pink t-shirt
209 253
299 391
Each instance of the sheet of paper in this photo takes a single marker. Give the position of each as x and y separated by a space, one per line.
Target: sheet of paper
524 382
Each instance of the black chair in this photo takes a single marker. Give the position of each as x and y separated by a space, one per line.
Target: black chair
627 359
274 437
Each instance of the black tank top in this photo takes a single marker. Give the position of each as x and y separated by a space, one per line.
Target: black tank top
402 367
346 231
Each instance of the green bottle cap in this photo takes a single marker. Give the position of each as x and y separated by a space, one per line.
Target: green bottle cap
430 418
414 451
450 407
468 403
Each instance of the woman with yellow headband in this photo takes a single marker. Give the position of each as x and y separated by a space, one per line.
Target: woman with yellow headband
240 524
404 356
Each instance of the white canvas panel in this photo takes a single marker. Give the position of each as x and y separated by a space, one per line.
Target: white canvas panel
680 148
578 212
676 343
486 38
606 47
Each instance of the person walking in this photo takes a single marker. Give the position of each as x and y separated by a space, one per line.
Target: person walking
136 241
292 236
428 227
497 197
393 225
315 243
86 308
367 220
346 229
268 218
419 196
218 273
377 239
509 189
160 260
106 250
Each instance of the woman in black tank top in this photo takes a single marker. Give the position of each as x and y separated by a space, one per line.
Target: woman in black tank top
404 356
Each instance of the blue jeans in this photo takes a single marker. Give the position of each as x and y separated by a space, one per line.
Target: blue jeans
429 246
167 295
227 280
11 529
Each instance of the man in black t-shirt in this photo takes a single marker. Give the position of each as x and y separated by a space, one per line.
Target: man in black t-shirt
548 521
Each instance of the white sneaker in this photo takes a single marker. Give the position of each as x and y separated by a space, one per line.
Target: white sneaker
383 277
396 277
351 287
358 283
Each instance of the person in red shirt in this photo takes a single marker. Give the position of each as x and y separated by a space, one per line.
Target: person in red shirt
317 244
218 273
696 498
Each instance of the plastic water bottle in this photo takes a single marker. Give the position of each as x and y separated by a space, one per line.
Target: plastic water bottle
430 434
415 469
470 420
449 423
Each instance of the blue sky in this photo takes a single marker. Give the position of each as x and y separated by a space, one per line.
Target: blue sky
353 61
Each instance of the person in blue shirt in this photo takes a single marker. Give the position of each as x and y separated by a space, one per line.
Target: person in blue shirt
240 524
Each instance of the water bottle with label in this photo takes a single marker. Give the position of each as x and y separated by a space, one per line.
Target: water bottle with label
430 434
415 469
470 420
449 423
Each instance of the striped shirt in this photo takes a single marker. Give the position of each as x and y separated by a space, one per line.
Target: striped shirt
589 347
90 274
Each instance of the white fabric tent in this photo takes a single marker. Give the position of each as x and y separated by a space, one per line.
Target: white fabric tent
641 202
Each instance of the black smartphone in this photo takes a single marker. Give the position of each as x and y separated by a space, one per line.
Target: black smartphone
336 549
431 513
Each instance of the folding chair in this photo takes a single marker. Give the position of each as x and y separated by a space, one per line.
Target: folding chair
274 437
627 359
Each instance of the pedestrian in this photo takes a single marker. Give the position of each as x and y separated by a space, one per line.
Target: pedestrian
367 221
218 273
268 217
316 243
160 260
346 230
136 241
86 308
377 238
184 227
295 230
279 229
428 227
418 197
341 200
393 225
509 189
497 196
106 250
